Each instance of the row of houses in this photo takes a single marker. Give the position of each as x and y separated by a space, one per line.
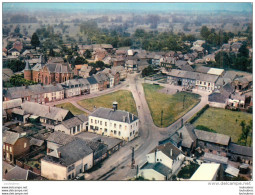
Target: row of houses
54 92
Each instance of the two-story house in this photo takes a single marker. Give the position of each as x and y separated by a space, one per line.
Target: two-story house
14 145
67 161
162 162
113 122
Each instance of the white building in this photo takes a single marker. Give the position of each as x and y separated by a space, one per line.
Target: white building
206 172
113 122
73 125
162 162
67 161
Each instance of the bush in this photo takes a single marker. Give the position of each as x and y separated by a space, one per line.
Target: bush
204 128
199 114
187 171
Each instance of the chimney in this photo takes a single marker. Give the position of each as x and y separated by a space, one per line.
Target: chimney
115 106
171 152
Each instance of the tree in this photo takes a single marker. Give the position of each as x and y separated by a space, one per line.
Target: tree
87 54
245 132
35 42
204 32
52 53
222 59
243 51
16 65
80 60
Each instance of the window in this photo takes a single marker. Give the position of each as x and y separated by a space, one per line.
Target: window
133 132
119 126
91 127
157 159
4 146
7 148
204 83
25 144
100 122
200 82
114 125
10 149
78 128
95 121
105 130
130 133
105 124
119 133
209 84
69 176
91 120
115 132
73 130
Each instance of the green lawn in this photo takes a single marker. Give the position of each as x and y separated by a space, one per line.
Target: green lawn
172 105
72 108
123 97
224 121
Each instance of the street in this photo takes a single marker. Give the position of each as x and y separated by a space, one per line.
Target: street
118 165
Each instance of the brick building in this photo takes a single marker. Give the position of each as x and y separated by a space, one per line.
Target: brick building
48 73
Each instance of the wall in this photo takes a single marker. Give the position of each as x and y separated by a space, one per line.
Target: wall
107 127
151 174
53 171
217 105
160 157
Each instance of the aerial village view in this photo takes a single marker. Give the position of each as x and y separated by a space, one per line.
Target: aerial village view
127 91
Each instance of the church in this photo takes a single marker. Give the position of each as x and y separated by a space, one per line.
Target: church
48 73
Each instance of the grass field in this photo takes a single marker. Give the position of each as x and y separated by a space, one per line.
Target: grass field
172 105
124 98
72 108
224 121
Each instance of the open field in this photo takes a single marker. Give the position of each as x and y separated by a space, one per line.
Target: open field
71 107
224 121
124 98
171 105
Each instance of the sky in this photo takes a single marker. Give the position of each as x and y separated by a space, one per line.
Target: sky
130 6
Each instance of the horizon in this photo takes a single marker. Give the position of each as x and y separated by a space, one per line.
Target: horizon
132 6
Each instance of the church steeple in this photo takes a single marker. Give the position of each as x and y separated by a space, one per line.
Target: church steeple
28 71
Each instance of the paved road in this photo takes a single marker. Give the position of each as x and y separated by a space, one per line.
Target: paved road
117 167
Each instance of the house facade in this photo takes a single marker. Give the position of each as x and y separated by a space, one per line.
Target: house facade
114 123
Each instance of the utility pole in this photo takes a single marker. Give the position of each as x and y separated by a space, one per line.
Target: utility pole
183 101
133 158
161 118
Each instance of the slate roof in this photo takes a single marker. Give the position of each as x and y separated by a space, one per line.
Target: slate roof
53 113
117 115
92 80
188 135
109 141
215 158
20 174
159 167
71 153
212 137
10 137
28 67
166 149
7 73
183 65
12 103
217 97
60 138
241 150
72 122
193 75
82 117
58 68
36 142
18 92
